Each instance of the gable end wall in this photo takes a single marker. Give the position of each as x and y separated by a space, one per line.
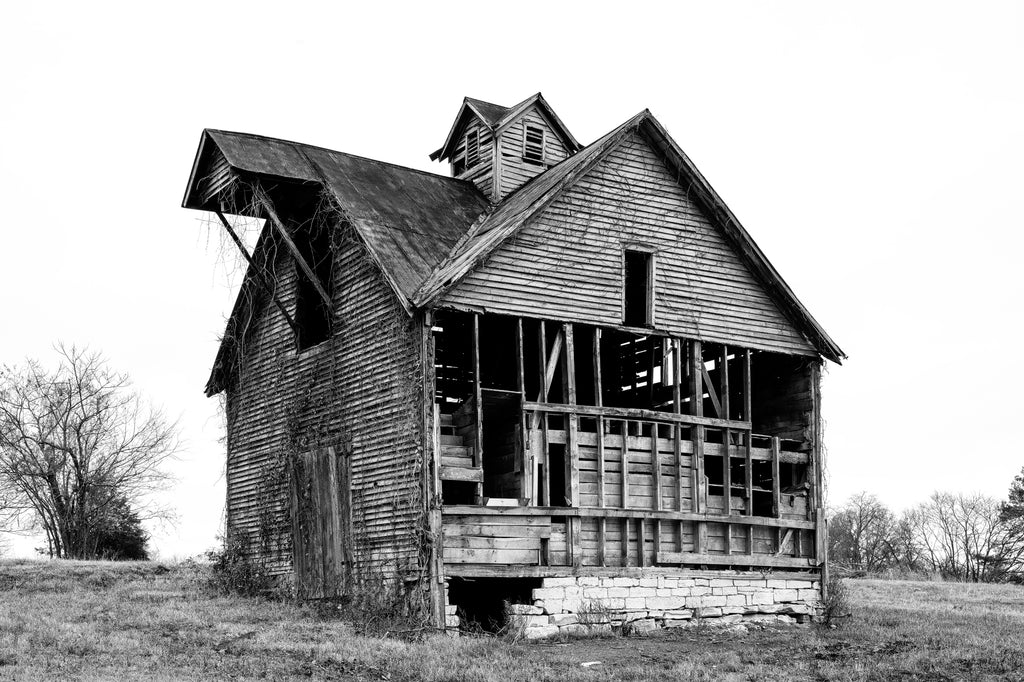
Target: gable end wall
566 264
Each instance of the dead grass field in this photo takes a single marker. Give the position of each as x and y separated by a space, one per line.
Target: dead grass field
105 621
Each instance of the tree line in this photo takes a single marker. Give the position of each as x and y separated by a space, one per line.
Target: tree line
969 537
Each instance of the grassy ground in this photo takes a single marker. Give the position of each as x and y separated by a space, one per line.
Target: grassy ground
104 621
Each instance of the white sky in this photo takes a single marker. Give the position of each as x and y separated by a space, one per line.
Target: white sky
873 150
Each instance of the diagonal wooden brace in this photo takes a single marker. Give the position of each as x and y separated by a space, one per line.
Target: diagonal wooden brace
268 208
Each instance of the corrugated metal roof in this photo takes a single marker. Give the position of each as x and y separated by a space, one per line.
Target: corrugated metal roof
410 219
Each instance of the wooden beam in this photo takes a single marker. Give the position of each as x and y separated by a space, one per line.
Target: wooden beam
523 463
572 461
743 560
268 208
271 289
524 571
611 513
711 390
625 464
638 415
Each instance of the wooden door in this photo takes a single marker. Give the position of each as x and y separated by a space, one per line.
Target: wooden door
321 523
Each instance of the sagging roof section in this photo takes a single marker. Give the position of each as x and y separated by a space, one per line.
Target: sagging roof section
497 117
409 219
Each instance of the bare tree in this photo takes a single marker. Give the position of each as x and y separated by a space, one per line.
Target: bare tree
74 443
863 533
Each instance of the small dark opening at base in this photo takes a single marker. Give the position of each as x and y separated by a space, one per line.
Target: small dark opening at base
481 601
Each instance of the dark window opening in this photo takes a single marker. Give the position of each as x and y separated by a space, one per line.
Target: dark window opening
313 316
472 148
533 145
556 474
638 304
480 602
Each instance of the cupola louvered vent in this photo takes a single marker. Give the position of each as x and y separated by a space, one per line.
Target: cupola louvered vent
472 149
533 144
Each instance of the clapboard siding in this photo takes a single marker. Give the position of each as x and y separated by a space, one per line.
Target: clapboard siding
513 170
567 263
482 173
359 389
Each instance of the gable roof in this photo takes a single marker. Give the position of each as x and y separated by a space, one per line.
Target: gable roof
497 117
494 227
408 219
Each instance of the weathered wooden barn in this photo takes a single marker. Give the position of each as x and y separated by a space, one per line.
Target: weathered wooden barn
565 377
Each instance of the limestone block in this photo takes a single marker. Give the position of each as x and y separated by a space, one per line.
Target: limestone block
776 584
686 582
712 612
736 600
643 626
614 604
630 616
665 603
798 584
636 603
664 592
681 591
588 582
596 592
573 629
618 592
770 608
728 620
786 595
700 590
451 610
452 621
720 591
559 582
796 609
764 597
525 609
562 619
730 610
651 582
625 582
679 614
573 592
517 621
809 595
541 632
714 600
643 592
547 593
721 583
702 582
551 605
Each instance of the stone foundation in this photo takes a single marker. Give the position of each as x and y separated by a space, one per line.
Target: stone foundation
582 605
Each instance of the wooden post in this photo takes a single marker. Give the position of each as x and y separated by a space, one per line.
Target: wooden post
540 419
723 382
656 463
478 451
525 460
776 489
259 272
749 464
572 462
696 364
602 527
677 431
625 464
431 471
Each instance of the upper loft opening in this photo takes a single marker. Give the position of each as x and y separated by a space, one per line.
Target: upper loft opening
501 148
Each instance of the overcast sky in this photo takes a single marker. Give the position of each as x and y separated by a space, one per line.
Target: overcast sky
873 150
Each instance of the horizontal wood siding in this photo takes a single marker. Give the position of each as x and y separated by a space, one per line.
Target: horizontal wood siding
567 263
482 174
357 391
514 171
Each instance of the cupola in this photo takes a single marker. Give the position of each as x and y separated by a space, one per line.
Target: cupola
501 148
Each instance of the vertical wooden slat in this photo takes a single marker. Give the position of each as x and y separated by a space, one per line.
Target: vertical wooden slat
677 432
641 541
478 451
542 419
776 490
524 460
572 472
656 463
625 464
696 366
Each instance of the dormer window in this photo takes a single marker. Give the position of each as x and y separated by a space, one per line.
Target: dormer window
533 144
472 148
